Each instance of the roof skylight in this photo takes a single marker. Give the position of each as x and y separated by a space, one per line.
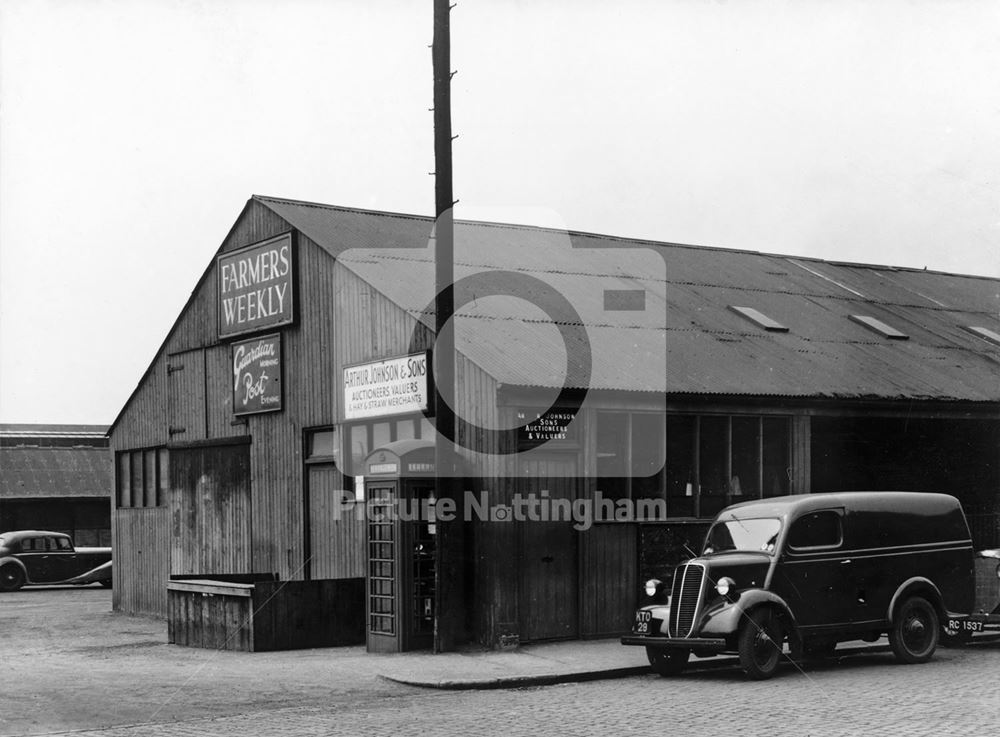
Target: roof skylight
985 333
879 327
759 318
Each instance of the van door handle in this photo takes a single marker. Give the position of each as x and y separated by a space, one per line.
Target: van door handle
845 562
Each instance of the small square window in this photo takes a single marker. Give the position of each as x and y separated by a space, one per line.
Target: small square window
324 444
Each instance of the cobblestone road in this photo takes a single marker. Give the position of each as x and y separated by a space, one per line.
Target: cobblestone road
958 693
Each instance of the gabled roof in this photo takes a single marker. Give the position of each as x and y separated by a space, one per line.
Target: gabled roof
689 293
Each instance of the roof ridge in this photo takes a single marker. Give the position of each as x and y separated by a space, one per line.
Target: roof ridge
618 239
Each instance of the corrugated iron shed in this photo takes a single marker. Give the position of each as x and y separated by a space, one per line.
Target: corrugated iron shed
687 340
46 461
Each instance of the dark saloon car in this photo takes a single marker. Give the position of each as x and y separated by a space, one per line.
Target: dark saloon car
814 570
36 557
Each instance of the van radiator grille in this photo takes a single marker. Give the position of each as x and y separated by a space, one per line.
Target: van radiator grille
685 598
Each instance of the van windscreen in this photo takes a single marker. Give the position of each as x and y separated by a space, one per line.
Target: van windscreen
758 535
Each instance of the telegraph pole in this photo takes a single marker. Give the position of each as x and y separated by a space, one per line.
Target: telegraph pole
449 609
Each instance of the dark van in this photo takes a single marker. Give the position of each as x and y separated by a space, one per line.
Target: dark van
813 570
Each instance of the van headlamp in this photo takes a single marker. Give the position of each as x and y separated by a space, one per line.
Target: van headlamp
724 585
652 586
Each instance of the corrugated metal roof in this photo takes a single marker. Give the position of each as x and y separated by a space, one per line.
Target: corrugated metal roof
26 430
686 341
30 472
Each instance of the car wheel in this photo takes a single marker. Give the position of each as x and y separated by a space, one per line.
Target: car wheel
11 578
915 631
760 642
667 661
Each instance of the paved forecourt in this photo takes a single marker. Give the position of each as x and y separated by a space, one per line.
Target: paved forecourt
870 695
80 668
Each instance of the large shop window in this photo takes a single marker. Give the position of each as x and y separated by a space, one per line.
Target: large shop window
360 439
142 478
697 463
630 454
716 460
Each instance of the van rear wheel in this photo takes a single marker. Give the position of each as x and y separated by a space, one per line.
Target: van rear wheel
667 662
759 643
915 631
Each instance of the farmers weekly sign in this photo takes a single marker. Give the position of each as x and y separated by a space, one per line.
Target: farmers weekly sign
257 375
256 287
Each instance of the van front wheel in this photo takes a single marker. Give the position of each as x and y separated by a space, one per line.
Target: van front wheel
915 631
760 641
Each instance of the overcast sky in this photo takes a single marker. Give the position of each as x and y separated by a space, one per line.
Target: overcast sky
132 132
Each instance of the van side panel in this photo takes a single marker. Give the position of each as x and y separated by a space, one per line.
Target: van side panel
887 546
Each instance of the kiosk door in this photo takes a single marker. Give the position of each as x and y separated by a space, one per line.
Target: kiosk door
401 546
383 614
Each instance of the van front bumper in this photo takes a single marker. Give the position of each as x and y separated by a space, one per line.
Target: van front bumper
702 644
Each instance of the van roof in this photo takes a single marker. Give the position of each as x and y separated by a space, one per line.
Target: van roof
921 502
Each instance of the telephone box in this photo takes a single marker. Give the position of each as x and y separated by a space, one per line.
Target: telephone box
399 492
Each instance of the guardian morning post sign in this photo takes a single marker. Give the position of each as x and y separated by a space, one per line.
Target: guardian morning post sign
257 375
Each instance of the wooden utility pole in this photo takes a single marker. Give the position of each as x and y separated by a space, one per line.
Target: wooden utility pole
449 607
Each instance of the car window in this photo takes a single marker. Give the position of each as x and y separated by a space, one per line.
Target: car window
816 530
63 544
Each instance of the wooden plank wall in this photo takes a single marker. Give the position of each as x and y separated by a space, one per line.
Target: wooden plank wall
144 422
186 398
608 578
292 615
219 375
141 560
548 555
336 530
210 512
214 621
286 615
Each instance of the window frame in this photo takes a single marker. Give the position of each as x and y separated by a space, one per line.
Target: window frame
801 549
142 477
763 444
